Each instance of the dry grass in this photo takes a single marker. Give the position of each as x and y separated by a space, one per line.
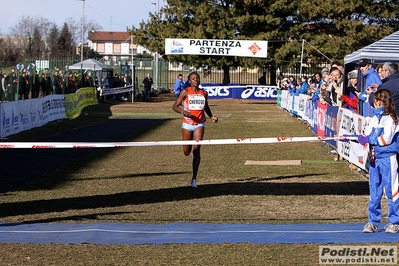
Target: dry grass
150 185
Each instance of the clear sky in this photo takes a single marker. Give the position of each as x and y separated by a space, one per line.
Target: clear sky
110 14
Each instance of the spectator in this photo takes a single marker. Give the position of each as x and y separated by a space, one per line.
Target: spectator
56 83
303 88
390 81
351 101
46 83
285 84
5 85
34 83
262 79
14 85
147 87
292 85
179 85
318 78
313 90
63 84
23 86
379 71
291 80
117 84
371 79
126 80
278 82
325 75
335 85
325 95
71 83
338 65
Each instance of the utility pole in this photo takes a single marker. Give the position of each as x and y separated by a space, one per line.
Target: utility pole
156 52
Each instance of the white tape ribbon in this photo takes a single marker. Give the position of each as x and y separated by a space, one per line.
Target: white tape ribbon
84 145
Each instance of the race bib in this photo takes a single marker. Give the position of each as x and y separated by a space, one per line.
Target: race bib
196 102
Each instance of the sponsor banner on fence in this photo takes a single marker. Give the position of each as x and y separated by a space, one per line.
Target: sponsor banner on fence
248 48
114 91
330 121
352 123
243 92
331 124
74 103
23 115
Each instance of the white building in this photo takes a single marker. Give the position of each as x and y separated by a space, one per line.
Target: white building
114 45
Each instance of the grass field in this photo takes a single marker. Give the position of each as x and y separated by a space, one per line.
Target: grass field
150 185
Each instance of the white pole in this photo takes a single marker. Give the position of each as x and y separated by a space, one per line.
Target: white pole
132 75
303 44
82 38
156 52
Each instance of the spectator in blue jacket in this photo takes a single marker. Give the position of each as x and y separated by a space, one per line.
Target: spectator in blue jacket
372 80
179 85
303 89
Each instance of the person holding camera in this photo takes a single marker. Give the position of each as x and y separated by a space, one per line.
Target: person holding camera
336 85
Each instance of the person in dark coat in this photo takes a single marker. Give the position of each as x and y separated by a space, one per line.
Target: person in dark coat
147 87
390 81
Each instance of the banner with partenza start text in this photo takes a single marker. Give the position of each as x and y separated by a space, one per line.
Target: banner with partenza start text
23 115
246 48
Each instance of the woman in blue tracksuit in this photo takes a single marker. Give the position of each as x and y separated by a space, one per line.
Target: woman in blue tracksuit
383 168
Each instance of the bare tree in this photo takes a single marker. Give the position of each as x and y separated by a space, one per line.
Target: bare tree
25 29
75 27
37 36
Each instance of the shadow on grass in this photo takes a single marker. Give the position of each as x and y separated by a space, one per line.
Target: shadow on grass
21 167
183 194
130 176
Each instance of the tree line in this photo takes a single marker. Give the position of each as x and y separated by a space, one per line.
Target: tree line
41 39
335 28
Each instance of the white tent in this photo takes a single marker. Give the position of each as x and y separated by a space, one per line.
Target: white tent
90 64
384 50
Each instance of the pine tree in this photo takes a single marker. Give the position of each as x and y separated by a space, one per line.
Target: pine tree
52 42
335 28
38 44
65 42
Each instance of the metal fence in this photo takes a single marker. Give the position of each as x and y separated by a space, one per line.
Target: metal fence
168 71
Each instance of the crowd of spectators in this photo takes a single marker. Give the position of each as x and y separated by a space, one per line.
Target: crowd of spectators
328 85
28 83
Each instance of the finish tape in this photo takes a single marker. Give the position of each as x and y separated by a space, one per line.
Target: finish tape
85 145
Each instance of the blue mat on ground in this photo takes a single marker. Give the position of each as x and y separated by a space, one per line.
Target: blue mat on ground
189 233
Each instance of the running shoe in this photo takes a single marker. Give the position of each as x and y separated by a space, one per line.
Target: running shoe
391 228
193 183
370 228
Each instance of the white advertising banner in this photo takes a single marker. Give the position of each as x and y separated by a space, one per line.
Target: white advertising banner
247 48
23 115
352 123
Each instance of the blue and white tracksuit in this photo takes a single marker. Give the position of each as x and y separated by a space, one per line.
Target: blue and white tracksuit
383 169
